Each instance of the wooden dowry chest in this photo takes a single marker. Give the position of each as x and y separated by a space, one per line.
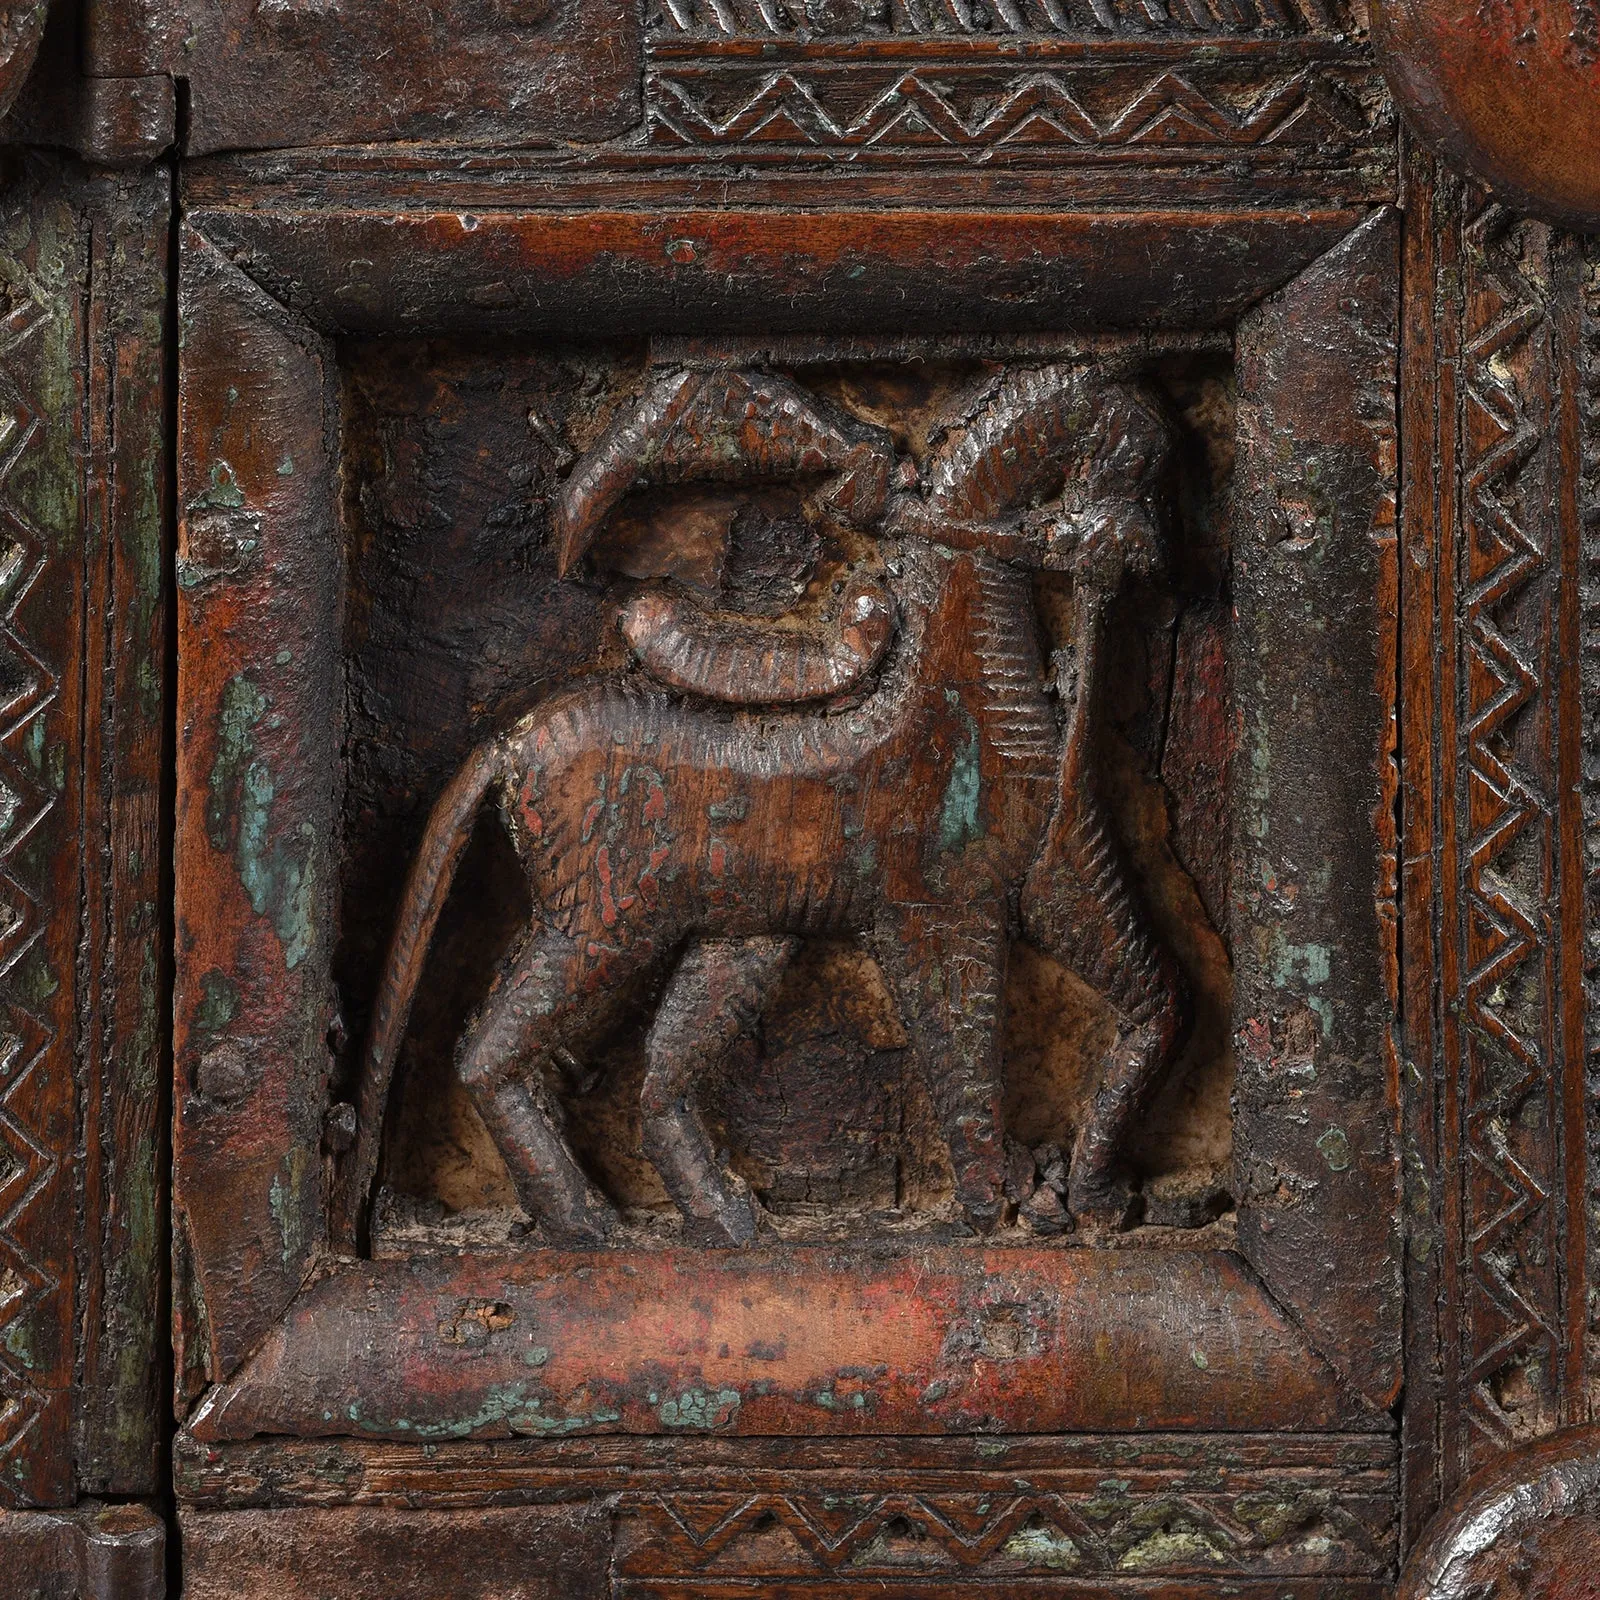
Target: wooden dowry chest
798 799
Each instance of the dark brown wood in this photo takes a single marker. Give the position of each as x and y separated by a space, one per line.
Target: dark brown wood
20 37
973 620
679 268
269 1471
937 815
1314 1001
846 1328
1509 96
727 1514
1528 1527
1498 1169
556 1553
256 810
773 1341
513 72
87 91
125 966
92 1552
82 484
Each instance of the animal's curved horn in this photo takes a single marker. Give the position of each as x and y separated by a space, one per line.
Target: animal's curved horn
730 426
603 476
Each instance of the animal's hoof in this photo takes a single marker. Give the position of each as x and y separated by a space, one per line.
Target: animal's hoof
589 1229
1110 1206
1045 1213
985 1215
735 1223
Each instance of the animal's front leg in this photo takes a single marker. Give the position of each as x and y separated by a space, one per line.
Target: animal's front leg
946 964
535 1004
715 995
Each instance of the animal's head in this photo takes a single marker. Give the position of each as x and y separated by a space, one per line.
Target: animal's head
1056 469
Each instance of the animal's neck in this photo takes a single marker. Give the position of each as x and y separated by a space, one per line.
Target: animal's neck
1018 716
1005 640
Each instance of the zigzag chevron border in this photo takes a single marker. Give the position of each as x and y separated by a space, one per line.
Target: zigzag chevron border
1513 1322
1495 835
1021 1531
29 1165
1500 628
1059 109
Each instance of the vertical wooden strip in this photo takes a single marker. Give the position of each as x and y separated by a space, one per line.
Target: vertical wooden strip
1493 915
1420 618
120 1391
258 594
1317 1174
1448 1178
1568 1008
1588 383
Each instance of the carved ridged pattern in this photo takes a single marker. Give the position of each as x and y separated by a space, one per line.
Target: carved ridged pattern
28 1166
1589 368
930 107
1135 19
1110 1531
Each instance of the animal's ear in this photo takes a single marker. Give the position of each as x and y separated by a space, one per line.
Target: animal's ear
859 495
1130 447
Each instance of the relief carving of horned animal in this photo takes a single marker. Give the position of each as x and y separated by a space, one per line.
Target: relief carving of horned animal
891 765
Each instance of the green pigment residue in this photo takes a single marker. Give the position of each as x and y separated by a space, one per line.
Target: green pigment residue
219 1005
286 1198
277 875
958 812
698 1408
222 493
1335 1148
1043 1546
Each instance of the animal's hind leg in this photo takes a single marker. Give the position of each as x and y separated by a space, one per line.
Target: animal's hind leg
536 1003
715 995
1099 1191
1078 906
946 965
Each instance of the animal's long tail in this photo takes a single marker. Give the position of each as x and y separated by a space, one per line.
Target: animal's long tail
427 886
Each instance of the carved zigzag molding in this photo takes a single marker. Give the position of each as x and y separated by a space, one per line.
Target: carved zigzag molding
792 107
1507 989
28 1165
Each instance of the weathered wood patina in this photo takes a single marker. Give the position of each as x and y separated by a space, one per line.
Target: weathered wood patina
799 798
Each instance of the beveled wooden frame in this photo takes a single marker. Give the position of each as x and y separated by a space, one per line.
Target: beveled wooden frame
265 294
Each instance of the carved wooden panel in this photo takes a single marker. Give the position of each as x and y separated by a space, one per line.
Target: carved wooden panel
1496 877
877 862
749 901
